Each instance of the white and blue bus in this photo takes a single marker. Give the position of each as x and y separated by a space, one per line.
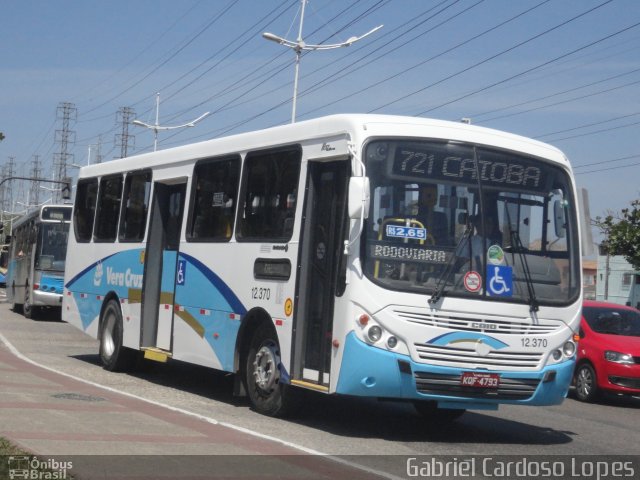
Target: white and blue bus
378 256
37 254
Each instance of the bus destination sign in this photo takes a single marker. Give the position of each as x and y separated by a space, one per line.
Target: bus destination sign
458 165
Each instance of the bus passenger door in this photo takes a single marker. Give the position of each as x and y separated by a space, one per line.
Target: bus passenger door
161 259
322 245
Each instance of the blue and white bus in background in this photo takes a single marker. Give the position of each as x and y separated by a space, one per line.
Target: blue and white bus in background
378 256
37 254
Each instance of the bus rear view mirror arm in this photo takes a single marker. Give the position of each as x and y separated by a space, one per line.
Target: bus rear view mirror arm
358 197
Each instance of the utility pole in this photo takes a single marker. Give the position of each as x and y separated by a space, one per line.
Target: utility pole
124 140
65 113
36 172
8 192
299 45
99 150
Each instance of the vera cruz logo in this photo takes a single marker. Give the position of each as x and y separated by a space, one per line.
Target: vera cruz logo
97 276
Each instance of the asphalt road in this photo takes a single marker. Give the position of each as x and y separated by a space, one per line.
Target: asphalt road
342 426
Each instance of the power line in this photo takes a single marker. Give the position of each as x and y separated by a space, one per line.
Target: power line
605 161
386 79
586 125
596 131
529 70
610 168
545 97
209 24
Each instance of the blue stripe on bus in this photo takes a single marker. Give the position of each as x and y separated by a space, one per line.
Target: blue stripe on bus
89 268
234 302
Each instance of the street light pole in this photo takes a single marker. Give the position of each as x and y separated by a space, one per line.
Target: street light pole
299 45
155 127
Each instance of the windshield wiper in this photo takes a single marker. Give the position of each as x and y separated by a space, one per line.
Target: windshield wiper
439 291
516 242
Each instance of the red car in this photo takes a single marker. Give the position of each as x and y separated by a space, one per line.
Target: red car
608 351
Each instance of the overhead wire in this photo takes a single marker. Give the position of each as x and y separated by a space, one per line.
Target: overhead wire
433 57
262 81
528 70
490 58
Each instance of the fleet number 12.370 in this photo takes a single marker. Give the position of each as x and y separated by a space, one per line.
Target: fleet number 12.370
260 293
534 342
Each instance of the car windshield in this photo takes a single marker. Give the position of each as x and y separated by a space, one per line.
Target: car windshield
52 246
613 321
461 220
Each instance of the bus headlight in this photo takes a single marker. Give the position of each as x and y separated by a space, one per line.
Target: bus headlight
392 342
374 333
569 349
557 354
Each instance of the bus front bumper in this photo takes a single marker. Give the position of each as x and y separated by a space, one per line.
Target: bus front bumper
373 372
46 299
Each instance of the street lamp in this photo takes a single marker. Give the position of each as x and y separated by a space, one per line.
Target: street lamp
156 127
299 45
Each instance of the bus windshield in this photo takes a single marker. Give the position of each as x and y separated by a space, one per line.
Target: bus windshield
52 246
462 220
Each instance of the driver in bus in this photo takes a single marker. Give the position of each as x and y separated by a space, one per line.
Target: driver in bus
484 234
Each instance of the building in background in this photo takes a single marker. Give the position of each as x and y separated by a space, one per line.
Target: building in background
589 278
617 281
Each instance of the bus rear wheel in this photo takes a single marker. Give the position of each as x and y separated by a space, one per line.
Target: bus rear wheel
114 356
263 375
438 416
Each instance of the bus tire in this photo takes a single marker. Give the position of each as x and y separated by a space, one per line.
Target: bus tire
28 310
438 416
114 356
267 394
15 306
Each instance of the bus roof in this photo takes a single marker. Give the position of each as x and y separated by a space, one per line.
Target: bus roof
37 213
356 126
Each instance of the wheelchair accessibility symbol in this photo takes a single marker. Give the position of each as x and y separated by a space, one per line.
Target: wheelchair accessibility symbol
499 281
180 274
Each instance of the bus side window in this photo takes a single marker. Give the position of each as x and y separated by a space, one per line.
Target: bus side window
270 188
135 206
214 199
108 209
85 209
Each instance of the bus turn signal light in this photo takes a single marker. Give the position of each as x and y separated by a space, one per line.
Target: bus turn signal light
363 319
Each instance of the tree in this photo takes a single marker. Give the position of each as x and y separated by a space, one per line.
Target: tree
623 233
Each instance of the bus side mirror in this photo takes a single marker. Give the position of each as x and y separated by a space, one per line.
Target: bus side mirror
358 197
559 221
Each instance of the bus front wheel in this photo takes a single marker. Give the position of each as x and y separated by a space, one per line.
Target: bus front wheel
114 356
28 310
263 374
15 306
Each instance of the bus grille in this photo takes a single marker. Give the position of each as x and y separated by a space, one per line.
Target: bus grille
459 357
492 324
509 389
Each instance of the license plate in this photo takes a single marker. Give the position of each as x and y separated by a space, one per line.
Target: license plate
480 380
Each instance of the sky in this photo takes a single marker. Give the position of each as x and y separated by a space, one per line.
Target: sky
566 72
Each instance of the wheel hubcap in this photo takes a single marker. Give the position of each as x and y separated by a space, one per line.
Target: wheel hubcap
265 368
584 382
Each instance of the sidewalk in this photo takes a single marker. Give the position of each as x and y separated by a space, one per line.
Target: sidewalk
55 416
